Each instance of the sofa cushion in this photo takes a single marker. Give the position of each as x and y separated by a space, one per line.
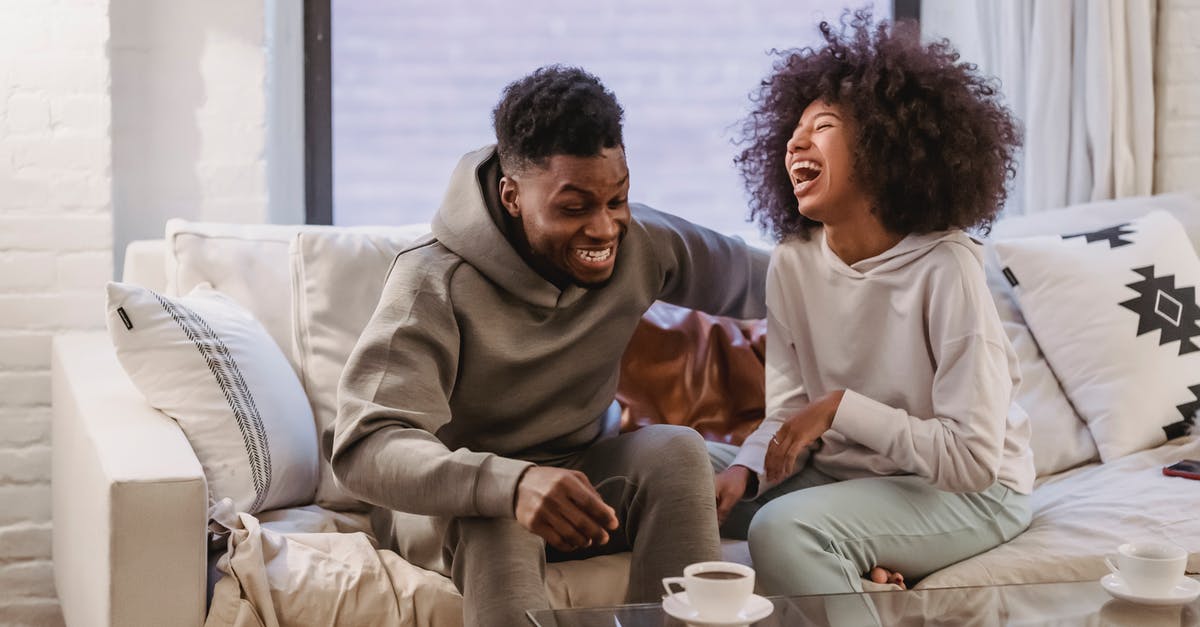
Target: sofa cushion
337 276
1059 438
247 262
1115 312
206 362
250 263
1084 514
1091 216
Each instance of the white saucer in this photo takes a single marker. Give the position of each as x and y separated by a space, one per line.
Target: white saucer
1185 591
757 608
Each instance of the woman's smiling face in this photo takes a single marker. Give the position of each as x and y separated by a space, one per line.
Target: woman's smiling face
820 165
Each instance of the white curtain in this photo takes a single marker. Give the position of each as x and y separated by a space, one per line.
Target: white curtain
1079 75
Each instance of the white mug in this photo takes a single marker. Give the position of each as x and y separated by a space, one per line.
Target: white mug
1149 568
716 590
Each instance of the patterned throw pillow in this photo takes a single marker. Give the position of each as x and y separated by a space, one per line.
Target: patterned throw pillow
203 360
1115 312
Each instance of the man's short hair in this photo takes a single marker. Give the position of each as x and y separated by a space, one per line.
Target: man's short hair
556 110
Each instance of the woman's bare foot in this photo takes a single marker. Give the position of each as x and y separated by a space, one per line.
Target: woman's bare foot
880 574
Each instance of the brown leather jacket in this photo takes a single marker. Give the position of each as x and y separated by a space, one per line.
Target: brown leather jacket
685 367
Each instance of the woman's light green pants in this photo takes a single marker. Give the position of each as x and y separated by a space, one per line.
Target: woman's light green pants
813 534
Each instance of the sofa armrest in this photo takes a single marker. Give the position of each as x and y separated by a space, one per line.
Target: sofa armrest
129 497
146 264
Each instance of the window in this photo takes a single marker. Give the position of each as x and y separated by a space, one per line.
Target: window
412 86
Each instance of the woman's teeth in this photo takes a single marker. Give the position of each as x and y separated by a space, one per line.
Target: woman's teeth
804 171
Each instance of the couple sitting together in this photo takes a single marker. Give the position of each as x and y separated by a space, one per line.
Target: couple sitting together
477 411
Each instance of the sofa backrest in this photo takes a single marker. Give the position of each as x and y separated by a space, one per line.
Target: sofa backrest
1097 215
254 265
251 264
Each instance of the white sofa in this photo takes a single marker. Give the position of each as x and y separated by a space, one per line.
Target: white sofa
130 497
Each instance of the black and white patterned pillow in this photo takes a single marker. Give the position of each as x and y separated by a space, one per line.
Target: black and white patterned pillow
205 361
1115 312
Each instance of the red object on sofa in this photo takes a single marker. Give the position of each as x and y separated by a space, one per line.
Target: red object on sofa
685 367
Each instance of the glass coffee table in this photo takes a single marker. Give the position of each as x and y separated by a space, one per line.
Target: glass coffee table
1077 603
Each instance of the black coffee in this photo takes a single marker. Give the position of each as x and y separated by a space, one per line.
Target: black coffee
718 574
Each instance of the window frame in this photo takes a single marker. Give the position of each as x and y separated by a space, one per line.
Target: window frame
318 113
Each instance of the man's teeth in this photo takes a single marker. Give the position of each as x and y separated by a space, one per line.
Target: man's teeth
805 170
595 255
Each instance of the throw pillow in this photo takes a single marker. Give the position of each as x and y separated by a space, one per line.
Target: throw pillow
1114 310
246 262
1059 438
203 360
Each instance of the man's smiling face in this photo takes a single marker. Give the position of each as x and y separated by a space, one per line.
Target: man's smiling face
573 213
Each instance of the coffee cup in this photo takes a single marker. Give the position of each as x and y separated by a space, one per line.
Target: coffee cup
1150 569
716 590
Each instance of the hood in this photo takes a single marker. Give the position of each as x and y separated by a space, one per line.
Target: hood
906 251
470 225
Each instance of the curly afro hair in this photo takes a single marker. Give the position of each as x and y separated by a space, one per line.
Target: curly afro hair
933 146
555 110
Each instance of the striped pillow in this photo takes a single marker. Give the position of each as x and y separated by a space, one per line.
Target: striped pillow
203 360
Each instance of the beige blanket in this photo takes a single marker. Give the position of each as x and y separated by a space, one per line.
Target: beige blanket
312 567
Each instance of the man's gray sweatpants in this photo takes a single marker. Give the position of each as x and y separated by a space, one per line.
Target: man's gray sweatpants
659 481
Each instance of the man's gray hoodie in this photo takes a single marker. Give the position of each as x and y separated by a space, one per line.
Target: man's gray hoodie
473 366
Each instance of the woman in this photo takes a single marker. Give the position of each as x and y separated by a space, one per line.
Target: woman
891 438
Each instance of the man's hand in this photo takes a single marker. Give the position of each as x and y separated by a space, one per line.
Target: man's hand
797 434
563 508
730 486
880 574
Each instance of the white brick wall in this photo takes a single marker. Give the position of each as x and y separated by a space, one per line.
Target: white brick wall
55 252
189 114
1177 93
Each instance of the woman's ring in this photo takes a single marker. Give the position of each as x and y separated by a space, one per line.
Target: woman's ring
775 440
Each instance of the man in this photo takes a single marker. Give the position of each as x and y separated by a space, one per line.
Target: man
480 395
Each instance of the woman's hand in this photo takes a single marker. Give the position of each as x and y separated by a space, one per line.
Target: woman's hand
730 487
798 433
